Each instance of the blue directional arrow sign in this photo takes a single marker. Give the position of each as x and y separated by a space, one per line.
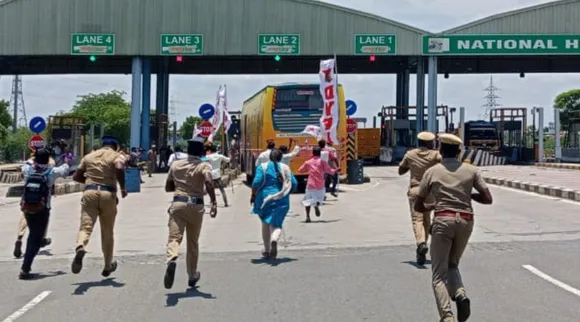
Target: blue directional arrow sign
206 111
350 107
37 124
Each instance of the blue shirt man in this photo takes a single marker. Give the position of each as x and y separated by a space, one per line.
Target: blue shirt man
38 222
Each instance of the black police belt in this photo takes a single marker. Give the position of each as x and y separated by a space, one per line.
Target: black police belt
100 187
189 200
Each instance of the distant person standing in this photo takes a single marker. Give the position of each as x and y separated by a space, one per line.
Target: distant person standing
234 151
151 160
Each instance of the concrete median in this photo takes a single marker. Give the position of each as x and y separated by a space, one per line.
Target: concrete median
538 188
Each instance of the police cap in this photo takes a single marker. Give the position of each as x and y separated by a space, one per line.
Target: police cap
426 136
109 140
450 139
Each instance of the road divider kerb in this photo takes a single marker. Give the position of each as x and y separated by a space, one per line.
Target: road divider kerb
538 188
558 165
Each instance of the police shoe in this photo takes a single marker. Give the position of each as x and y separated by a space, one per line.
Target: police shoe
422 250
169 277
193 281
463 307
17 248
46 242
108 272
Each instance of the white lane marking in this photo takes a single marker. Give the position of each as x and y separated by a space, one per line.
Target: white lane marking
34 302
347 188
552 280
533 194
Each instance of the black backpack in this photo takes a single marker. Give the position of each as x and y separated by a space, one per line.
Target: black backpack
36 192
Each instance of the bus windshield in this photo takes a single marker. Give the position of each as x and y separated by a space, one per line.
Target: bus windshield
297 107
483 133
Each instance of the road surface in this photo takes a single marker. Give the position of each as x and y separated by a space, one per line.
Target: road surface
352 264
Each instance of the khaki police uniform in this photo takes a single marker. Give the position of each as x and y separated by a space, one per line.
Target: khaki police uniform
451 183
187 209
418 161
99 200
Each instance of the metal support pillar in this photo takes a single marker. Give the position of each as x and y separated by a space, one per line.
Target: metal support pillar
399 90
420 95
540 111
166 86
557 144
462 125
159 92
432 95
136 88
405 88
146 101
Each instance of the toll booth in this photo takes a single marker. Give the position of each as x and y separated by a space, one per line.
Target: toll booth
511 123
71 129
398 129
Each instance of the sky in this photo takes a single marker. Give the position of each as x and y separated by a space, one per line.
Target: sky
46 95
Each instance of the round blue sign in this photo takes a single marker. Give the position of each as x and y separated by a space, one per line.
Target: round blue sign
206 111
37 124
350 107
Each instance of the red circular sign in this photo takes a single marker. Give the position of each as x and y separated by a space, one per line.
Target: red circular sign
350 126
35 142
205 128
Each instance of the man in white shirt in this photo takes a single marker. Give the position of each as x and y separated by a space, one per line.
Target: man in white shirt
216 160
265 156
177 155
287 157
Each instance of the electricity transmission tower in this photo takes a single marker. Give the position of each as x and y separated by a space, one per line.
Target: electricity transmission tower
490 99
17 104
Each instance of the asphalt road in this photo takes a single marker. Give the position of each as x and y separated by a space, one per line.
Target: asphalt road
353 264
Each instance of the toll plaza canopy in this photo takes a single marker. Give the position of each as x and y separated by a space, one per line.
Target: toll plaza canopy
242 36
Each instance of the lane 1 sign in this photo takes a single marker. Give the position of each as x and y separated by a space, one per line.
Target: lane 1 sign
373 44
206 111
206 128
279 44
181 44
351 107
36 142
37 124
350 126
92 44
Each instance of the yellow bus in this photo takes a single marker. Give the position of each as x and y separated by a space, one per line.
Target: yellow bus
279 113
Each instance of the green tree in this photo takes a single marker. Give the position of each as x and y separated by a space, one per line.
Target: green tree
569 104
186 129
5 121
110 109
16 147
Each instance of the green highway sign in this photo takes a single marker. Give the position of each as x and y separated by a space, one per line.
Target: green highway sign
180 44
279 44
374 44
501 45
92 44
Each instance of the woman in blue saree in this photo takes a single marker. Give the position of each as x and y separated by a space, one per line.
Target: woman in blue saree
271 189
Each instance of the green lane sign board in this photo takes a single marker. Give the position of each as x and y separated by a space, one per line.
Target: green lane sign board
181 44
92 44
279 44
501 45
375 44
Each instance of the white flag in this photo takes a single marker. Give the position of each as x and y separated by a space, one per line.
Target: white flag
218 116
313 130
196 131
227 118
329 92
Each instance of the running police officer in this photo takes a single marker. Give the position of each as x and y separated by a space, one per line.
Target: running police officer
451 184
100 171
418 161
187 179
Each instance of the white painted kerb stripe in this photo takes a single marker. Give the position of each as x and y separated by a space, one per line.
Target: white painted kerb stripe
552 280
34 302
